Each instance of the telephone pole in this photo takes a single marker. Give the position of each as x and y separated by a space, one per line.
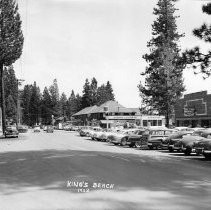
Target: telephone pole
19 83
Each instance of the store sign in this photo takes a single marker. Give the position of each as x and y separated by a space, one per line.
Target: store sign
195 107
123 117
189 112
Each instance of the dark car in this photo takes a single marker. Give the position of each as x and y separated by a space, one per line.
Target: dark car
152 137
11 131
22 128
187 143
171 140
49 129
134 140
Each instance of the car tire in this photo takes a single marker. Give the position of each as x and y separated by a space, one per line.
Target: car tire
187 151
123 142
150 147
137 145
207 156
132 145
171 149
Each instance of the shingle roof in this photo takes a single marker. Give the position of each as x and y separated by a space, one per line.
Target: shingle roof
86 110
113 106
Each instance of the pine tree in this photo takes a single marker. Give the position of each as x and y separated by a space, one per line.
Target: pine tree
11 93
93 90
54 92
86 97
163 77
11 41
26 97
72 105
105 93
63 105
78 102
46 107
109 92
35 105
195 56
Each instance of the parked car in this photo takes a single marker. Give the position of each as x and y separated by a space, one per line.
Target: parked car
84 130
11 131
134 140
103 136
121 137
49 129
22 128
187 142
37 129
91 131
171 140
151 137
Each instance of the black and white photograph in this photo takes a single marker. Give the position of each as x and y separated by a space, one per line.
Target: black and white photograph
105 104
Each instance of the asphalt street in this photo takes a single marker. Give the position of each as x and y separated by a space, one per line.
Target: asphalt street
63 171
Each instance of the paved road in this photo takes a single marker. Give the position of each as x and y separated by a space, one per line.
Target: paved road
62 171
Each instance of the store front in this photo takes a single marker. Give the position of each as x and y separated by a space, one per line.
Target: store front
194 110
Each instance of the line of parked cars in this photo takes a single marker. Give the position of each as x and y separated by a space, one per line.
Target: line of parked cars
181 139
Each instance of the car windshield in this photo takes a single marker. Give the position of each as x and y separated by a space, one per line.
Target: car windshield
138 132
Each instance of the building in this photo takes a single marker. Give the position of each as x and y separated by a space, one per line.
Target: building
194 110
112 113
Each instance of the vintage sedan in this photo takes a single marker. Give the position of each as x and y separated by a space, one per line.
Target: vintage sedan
186 144
171 140
121 137
84 131
11 131
153 137
50 129
22 128
91 132
134 140
37 129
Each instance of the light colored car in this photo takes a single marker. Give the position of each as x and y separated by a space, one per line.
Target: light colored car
50 129
92 132
37 129
121 137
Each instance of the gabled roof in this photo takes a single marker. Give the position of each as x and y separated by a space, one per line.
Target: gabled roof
86 110
113 106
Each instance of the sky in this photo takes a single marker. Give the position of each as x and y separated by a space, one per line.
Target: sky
72 40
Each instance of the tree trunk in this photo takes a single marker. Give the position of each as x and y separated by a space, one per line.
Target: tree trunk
2 103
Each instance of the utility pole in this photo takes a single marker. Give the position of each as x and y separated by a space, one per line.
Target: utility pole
2 103
19 83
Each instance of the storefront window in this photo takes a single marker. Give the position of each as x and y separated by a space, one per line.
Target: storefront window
159 122
144 122
154 122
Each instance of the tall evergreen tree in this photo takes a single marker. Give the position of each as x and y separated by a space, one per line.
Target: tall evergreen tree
109 92
34 105
54 92
46 107
195 56
93 90
163 77
63 105
105 93
11 93
11 41
78 102
72 105
86 97
26 97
